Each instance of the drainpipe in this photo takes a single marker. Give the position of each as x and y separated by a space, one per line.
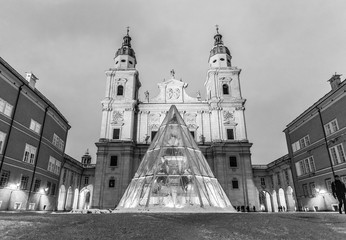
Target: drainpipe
36 158
326 142
11 126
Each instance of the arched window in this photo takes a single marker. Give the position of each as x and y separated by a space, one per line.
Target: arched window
120 90
235 183
114 161
111 182
225 89
233 162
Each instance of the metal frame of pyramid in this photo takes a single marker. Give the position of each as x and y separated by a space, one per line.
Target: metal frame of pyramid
174 176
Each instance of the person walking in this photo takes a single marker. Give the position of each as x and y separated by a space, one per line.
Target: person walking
339 190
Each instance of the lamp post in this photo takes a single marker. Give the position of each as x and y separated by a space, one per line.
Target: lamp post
12 187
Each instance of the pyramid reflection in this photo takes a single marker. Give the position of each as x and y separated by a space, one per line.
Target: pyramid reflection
174 175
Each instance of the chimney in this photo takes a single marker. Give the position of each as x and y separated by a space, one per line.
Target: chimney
335 81
31 78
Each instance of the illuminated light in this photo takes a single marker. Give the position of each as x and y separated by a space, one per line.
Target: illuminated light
13 186
322 191
41 191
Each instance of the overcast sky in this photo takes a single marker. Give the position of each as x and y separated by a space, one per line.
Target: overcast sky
287 51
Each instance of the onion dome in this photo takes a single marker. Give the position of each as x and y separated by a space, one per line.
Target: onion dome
219 48
126 47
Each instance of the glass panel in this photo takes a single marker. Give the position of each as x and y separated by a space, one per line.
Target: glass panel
174 174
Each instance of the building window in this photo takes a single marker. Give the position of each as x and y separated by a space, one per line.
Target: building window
5 176
48 188
287 176
331 127
301 143
263 181
328 182
193 134
111 183
64 176
337 153
153 133
116 133
35 126
24 182
305 190
120 91
5 107
225 89
279 178
29 154
230 134
58 142
54 166
72 179
53 189
86 180
343 179
114 161
2 141
235 183
233 162
312 189
305 166
37 185
272 180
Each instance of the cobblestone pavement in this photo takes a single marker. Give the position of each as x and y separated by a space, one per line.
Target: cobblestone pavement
65 226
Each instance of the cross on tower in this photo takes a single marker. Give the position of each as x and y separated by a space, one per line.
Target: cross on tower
217 28
128 29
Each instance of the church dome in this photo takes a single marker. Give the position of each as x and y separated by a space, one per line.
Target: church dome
126 47
219 49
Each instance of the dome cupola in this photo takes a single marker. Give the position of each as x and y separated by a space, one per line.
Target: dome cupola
125 56
220 55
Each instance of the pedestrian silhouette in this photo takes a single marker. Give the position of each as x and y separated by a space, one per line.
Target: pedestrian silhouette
339 190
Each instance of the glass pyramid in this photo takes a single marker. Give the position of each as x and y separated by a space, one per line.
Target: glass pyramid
174 175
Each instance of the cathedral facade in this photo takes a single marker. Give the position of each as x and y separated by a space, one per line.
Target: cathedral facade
217 124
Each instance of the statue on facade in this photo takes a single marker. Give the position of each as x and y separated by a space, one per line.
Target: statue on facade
198 95
146 93
172 73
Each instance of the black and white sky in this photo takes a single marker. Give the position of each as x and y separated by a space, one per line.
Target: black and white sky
287 51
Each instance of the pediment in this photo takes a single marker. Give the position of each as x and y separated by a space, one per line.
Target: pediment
173 91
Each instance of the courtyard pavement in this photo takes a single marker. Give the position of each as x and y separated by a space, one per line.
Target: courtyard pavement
50 226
